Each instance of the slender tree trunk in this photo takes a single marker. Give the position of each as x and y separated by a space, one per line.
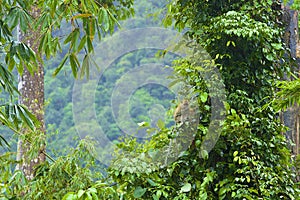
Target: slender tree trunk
32 96
291 118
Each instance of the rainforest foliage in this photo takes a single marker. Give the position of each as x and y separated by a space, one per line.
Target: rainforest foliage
244 39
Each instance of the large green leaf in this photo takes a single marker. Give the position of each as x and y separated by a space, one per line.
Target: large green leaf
186 187
139 192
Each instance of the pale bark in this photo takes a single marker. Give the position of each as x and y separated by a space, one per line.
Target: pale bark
31 88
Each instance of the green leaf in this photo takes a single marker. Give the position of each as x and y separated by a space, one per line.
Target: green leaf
70 196
228 43
222 193
25 20
160 124
270 57
82 43
203 97
48 45
92 190
204 154
105 19
158 193
27 117
277 46
94 195
12 18
186 188
233 112
73 34
80 193
2 139
233 194
155 197
74 64
85 67
89 196
139 192
75 38
89 44
60 66
235 153
248 178
151 182
210 176
203 196
235 159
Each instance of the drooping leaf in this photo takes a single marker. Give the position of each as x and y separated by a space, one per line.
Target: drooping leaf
61 64
74 64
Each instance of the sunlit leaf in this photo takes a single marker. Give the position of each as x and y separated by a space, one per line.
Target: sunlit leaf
186 187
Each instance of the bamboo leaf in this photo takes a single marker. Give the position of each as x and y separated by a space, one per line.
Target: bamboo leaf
105 19
82 43
60 66
89 44
84 15
29 119
75 38
71 36
74 64
85 67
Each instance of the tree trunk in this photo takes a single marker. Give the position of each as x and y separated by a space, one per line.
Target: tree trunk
31 88
291 117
